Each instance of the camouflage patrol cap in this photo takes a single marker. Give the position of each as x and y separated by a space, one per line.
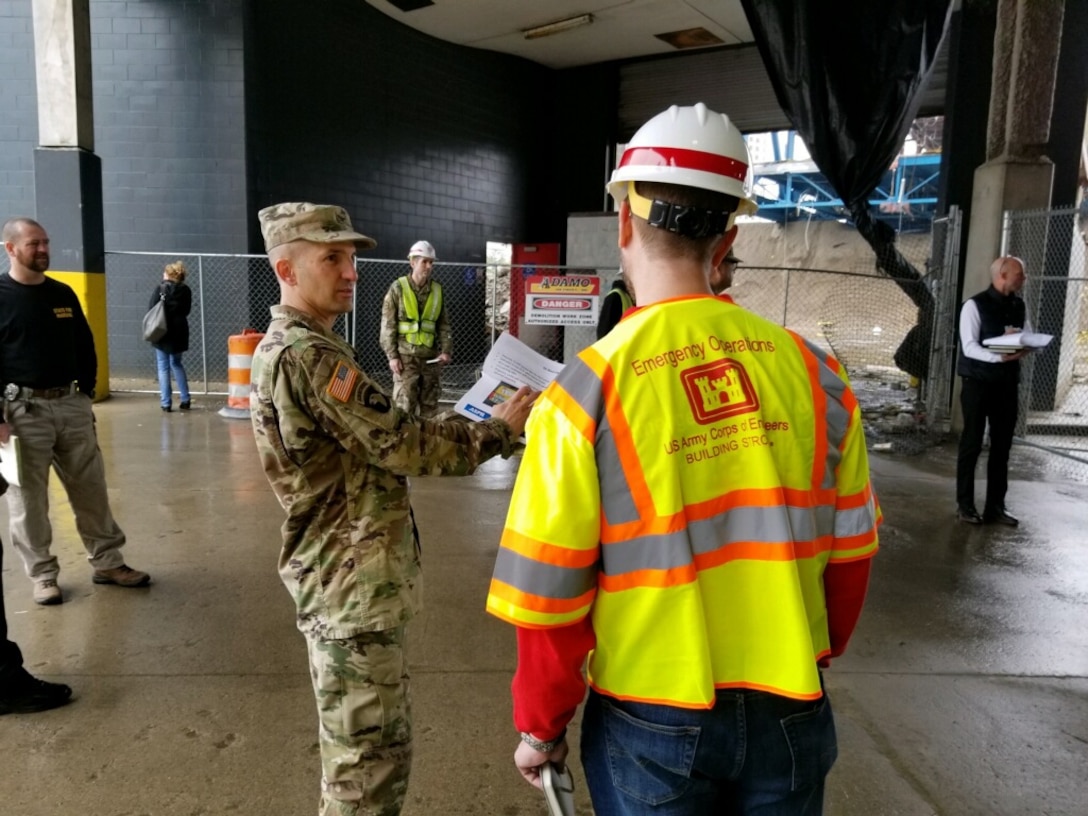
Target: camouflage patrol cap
303 221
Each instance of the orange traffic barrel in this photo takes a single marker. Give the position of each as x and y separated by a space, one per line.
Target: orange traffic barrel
240 348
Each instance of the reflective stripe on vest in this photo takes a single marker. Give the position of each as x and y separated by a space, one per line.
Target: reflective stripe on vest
416 330
625 298
674 537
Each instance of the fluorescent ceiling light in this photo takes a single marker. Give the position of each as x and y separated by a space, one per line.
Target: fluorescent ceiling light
559 25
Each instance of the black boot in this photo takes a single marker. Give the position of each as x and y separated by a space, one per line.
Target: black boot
27 694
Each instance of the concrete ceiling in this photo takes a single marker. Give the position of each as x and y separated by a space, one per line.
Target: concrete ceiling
620 28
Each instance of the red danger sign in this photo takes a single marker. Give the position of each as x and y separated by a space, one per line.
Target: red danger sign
566 304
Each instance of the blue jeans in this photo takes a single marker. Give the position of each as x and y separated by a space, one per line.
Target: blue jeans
754 753
167 363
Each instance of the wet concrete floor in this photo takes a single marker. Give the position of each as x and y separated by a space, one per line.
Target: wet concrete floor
965 689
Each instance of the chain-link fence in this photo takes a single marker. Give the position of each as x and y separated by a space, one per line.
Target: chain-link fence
860 317
234 292
230 293
1054 381
944 343
864 318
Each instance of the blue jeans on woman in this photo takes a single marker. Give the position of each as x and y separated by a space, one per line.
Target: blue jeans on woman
166 363
754 753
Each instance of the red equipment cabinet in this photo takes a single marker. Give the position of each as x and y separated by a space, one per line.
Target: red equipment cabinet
525 260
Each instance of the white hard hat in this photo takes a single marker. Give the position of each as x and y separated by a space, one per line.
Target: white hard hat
423 249
692 146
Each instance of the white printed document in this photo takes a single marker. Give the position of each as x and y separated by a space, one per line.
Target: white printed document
10 464
509 365
1018 341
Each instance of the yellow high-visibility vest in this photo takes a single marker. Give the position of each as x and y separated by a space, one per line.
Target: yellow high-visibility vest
625 298
419 331
686 481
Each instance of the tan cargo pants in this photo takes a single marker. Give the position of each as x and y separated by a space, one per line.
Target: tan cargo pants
60 433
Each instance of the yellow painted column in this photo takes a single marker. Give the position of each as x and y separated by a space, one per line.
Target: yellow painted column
90 288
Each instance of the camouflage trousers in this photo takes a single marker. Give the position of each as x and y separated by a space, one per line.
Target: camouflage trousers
364 709
419 385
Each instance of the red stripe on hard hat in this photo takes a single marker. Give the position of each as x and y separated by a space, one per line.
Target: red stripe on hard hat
686 159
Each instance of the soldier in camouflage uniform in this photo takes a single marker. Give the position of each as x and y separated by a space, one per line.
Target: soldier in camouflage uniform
415 334
338 455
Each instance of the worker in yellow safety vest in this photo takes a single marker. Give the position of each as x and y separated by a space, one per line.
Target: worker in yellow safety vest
692 523
415 334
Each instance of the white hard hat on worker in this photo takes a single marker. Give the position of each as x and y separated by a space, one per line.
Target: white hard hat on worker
691 146
421 249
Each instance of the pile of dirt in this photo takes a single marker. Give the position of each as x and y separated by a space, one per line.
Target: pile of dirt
827 245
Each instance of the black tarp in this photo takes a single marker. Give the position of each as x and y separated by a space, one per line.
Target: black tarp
847 75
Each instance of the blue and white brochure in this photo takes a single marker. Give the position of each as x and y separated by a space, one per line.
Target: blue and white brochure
509 365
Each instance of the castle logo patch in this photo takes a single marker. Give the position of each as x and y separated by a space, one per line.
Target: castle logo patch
718 390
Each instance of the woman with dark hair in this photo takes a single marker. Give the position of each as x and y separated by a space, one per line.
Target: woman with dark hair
178 300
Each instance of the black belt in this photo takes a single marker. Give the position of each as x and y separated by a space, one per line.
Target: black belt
45 393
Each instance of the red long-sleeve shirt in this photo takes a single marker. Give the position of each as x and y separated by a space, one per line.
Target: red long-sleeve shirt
549 684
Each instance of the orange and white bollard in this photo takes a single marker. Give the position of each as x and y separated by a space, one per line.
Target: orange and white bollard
240 348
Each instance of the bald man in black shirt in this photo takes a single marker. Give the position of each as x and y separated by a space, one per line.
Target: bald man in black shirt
48 370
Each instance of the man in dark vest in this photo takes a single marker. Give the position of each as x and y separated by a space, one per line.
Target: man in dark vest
990 382
721 276
617 301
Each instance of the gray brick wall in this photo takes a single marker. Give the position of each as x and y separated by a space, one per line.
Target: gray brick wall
169 114
170 123
170 130
169 119
416 137
19 103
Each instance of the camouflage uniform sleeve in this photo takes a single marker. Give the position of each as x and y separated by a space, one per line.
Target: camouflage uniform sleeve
445 337
388 333
361 417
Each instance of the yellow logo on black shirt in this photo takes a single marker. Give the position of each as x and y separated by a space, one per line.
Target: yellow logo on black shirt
63 311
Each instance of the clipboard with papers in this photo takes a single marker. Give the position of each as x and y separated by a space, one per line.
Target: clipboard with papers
11 466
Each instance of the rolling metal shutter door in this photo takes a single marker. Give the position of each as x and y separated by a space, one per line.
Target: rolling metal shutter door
730 80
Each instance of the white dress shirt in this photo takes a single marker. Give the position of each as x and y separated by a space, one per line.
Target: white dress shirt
970 326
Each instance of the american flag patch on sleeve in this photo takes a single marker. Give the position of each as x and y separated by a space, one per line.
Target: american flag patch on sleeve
342 384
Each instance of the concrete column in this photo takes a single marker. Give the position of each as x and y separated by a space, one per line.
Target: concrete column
966 111
1017 174
67 173
62 56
